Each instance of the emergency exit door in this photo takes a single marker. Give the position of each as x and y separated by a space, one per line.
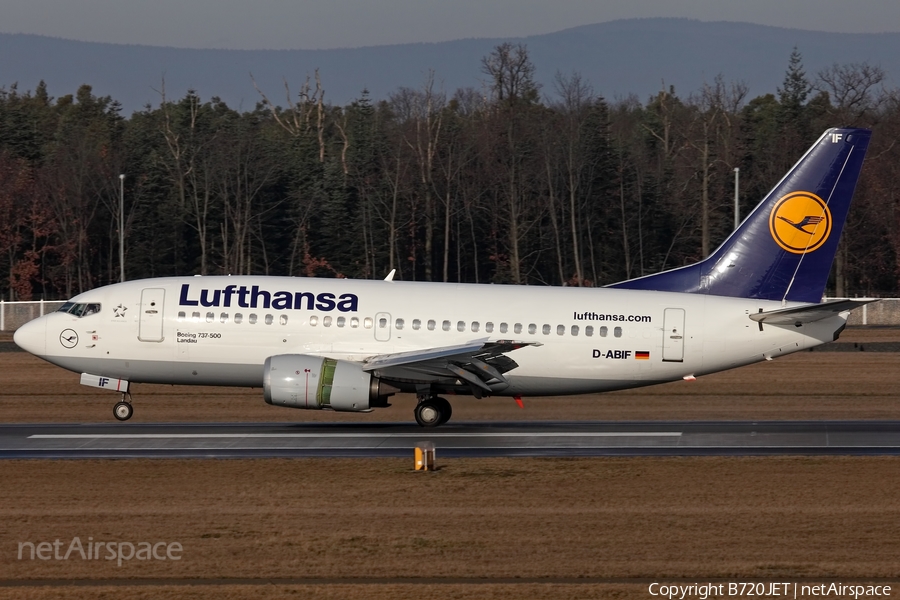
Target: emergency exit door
383 327
150 328
673 335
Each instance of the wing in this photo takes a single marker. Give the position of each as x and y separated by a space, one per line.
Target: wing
480 364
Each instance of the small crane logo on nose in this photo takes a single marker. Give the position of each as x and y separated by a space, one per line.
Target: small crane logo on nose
68 338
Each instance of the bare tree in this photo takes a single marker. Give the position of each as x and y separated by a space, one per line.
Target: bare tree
514 91
424 112
512 74
853 91
713 138
576 97
302 116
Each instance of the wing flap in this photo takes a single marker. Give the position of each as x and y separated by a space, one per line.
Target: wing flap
479 364
383 361
810 313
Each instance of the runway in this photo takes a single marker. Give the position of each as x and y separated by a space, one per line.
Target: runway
269 440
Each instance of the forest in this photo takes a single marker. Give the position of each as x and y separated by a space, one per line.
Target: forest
509 183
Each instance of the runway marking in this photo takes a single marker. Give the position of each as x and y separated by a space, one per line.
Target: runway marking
151 436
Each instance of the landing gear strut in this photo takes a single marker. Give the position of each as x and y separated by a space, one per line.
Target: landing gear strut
433 411
123 409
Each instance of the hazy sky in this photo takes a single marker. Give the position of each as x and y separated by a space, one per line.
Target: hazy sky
307 24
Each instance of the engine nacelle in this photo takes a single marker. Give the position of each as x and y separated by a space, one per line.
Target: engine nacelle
313 382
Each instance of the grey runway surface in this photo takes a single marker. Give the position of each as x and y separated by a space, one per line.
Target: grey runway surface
263 440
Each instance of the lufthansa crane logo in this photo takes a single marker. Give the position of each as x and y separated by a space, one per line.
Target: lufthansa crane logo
800 222
68 338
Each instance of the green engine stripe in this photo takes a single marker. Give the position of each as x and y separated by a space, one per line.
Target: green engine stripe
326 381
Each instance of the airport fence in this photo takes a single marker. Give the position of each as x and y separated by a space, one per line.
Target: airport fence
884 312
15 314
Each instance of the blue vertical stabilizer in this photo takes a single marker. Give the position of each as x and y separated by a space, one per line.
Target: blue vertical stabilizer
784 249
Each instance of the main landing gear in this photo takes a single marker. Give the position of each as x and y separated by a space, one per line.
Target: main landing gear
123 409
432 411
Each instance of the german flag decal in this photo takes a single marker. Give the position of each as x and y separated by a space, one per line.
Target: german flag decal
639 355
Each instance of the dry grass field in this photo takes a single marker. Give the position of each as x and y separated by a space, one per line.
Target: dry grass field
616 523
693 518
698 518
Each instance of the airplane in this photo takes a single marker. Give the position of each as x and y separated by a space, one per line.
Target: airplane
348 345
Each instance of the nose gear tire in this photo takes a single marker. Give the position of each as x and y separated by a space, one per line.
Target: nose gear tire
123 411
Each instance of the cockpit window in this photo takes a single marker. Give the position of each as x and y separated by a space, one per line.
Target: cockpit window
80 309
91 309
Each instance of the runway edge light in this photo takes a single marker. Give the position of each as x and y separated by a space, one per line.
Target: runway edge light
425 456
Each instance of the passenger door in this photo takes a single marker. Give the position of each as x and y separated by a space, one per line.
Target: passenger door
151 324
673 335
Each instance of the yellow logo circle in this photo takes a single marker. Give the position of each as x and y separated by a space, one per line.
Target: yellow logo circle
800 222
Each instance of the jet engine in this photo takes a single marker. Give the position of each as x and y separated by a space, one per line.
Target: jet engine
314 382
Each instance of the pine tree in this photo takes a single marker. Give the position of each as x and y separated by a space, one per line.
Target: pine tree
795 88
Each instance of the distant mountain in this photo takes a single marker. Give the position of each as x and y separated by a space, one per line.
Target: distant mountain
619 58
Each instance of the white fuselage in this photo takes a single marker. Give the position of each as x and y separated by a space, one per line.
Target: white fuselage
591 340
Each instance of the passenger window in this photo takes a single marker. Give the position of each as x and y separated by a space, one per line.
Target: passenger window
475 325
238 318
382 322
489 327
354 322
195 317
589 330
341 321
517 328
532 328
367 323
210 317
545 329
283 319
326 322
504 327
269 319
431 324
603 331
223 318
253 318
416 324
574 329
398 324
445 325
312 320
617 332
181 315
560 330
460 325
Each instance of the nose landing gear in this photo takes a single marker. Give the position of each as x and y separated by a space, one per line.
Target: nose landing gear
123 409
432 411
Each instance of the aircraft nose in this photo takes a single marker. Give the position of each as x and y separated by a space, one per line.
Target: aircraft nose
32 337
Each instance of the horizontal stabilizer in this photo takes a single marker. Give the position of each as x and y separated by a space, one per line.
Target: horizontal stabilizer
809 313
